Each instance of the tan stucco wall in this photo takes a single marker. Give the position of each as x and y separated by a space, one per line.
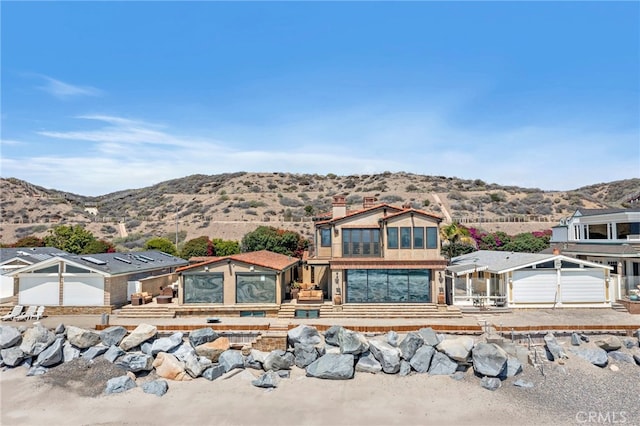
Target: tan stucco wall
115 291
152 285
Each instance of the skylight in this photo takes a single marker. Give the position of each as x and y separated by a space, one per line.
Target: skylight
122 260
93 260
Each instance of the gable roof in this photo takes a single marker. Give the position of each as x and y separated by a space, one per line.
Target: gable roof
500 262
29 255
596 212
396 211
110 264
262 258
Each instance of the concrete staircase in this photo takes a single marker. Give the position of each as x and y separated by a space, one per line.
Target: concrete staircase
391 310
146 311
617 306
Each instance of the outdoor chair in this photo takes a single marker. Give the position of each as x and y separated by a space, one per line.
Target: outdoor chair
31 310
39 314
14 313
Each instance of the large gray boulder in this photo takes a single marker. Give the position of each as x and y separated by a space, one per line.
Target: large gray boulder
141 334
9 336
352 342
489 360
166 344
609 343
113 353
429 336
256 358
333 367
136 362
69 352
421 360
442 365
113 335
514 366
410 344
331 336
367 363
405 368
387 355
36 339
37 370
279 360
621 356
304 334
554 347
60 329
119 384
268 379
231 359
156 387
595 356
575 339
53 355
213 372
629 342
304 355
12 357
491 383
457 349
94 352
202 336
393 338
636 358
82 338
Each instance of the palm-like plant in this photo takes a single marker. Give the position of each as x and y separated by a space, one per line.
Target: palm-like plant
454 234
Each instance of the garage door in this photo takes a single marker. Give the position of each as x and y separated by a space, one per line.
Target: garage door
83 291
537 286
39 290
583 286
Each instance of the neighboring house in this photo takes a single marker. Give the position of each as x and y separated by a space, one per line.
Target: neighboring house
527 280
607 236
378 253
260 277
96 280
12 259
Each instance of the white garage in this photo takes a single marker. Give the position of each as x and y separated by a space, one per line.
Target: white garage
528 280
36 289
83 290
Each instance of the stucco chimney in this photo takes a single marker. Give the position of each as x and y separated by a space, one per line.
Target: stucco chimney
339 206
369 202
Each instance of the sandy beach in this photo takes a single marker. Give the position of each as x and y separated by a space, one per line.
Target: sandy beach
564 396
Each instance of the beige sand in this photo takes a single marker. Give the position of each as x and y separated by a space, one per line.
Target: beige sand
366 400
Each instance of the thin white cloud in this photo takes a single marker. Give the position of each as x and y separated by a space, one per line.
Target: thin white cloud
126 153
62 90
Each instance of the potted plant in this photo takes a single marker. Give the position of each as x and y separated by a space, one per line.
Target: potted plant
295 289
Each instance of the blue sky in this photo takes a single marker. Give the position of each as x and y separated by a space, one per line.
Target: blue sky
104 96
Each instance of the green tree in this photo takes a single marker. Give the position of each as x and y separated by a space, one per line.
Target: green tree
73 239
99 246
526 242
30 241
452 236
196 247
225 247
161 244
276 240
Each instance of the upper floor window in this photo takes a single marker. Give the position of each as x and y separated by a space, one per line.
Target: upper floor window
392 238
325 237
597 232
360 242
623 230
432 237
405 237
418 237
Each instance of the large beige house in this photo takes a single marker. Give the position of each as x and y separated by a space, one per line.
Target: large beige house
378 253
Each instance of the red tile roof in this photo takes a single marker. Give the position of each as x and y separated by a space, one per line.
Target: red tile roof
263 258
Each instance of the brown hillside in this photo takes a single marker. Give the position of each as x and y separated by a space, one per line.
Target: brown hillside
230 205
